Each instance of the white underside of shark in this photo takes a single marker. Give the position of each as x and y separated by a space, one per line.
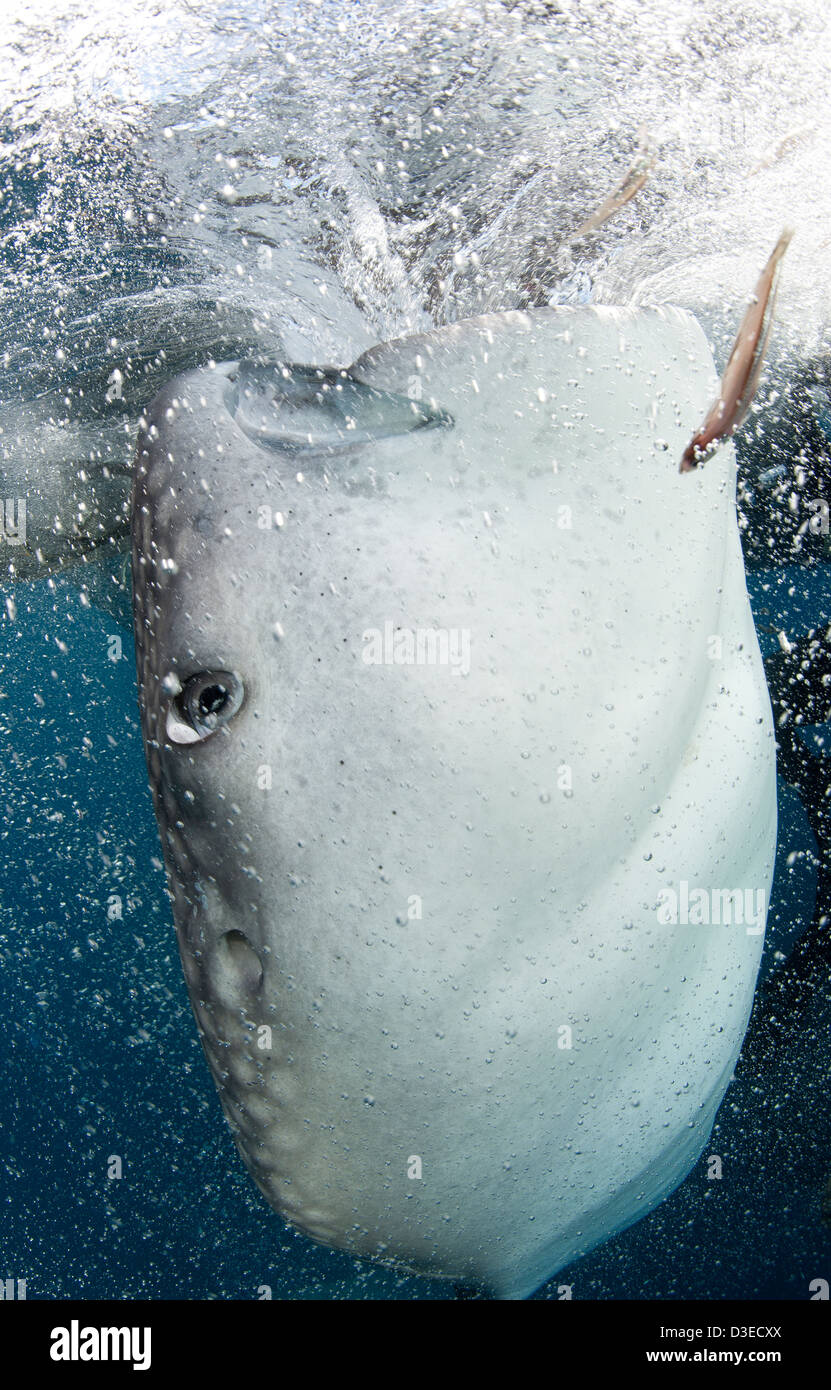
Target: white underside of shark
503 702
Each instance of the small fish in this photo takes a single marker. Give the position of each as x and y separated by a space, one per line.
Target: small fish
785 146
631 183
741 375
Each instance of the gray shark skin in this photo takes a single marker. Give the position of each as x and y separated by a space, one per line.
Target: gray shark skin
418 903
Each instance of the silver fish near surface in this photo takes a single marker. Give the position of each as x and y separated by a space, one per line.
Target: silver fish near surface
423 910
744 366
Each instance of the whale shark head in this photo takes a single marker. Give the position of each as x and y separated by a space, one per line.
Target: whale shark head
450 690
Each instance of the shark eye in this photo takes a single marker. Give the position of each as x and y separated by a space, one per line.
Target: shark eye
205 702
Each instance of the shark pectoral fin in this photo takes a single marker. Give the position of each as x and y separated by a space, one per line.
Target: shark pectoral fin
66 487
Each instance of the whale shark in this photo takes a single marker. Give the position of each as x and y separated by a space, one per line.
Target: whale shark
464 940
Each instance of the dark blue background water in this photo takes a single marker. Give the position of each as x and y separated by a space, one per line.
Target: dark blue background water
100 1055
